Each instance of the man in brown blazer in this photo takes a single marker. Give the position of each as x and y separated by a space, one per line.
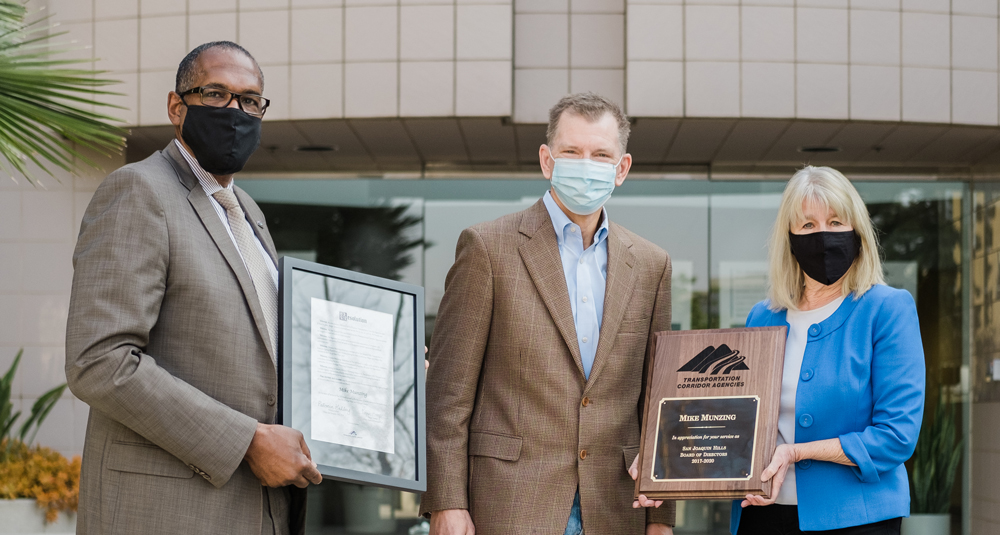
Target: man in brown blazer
534 395
171 329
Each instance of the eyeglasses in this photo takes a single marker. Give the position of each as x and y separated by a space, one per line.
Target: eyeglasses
254 105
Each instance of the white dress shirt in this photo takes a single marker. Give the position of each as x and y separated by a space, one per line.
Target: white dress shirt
210 185
586 274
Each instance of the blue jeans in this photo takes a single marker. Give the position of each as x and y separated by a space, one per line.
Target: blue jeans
574 526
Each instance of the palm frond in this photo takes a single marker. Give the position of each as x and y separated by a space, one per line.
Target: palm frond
11 15
45 104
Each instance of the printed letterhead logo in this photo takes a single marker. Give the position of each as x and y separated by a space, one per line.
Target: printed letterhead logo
719 360
344 316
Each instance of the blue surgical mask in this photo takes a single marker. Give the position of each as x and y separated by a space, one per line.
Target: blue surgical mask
583 185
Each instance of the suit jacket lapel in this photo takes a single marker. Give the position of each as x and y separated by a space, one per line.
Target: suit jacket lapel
541 256
618 290
206 212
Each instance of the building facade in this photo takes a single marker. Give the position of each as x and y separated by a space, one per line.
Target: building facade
439 106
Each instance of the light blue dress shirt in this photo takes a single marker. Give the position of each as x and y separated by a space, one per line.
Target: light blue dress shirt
586 272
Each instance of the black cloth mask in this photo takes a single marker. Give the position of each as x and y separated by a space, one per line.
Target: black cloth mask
222 139
825 256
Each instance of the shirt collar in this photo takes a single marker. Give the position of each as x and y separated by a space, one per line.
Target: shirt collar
207 181
560 220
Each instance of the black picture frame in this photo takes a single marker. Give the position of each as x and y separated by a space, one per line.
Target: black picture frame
407 471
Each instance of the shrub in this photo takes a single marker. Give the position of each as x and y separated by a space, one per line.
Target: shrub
34 471
40 473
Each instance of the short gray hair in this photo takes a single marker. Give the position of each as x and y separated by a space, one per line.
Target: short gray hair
592 107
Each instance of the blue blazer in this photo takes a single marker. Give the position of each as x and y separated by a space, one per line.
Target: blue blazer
862 381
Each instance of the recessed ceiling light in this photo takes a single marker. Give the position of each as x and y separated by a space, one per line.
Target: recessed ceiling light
820 148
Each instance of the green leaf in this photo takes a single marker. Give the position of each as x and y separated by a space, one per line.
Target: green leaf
7 414
39 411
935 460
11 15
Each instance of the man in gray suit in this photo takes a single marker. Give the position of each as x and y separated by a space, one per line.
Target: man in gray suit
172 328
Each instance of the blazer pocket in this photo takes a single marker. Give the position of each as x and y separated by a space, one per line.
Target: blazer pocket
503 447
145 459
629 452
634 326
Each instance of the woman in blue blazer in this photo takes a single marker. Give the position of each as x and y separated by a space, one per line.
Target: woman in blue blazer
852 391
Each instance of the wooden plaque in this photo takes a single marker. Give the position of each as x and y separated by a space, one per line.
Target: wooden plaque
710 424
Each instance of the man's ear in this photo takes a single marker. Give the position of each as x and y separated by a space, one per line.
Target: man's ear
546 161
175 109
623 168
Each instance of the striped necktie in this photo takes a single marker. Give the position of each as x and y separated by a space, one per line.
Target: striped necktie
255 262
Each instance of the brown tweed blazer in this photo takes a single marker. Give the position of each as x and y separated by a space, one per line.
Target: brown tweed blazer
166 343
509 412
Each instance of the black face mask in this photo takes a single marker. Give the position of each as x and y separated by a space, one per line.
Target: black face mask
222 139
825 256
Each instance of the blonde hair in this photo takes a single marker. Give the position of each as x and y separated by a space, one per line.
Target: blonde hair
827 187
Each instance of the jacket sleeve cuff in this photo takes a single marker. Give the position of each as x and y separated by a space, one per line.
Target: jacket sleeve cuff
242 430
856 451
430 504
664 514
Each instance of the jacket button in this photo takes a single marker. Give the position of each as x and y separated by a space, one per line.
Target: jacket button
583 454
807 374
805 464
270 399
585 402
815 329
200 472
806 420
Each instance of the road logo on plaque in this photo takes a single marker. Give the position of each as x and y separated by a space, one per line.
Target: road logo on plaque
721 359
709 424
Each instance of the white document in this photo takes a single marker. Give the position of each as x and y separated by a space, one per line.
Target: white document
352 385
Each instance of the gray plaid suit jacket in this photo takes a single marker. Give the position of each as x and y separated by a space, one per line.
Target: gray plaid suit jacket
166 343
506 417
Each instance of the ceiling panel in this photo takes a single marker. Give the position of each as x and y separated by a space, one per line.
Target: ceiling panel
438 140
529 137
336 134
281 135
491 145
801 134
650 139
985 150
954 145
856 139
749 140
903 142
698 140
263 161
387 142
489 141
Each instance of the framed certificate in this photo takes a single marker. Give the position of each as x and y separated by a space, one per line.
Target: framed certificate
711 418
351 373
